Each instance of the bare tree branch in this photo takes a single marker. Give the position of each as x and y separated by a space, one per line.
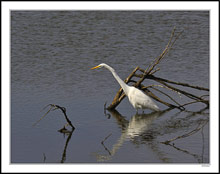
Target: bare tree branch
54 107
148 74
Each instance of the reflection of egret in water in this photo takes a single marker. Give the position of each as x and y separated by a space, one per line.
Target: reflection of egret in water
143 129
136 127
140 124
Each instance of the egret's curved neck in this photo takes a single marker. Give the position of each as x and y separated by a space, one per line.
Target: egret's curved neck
120 81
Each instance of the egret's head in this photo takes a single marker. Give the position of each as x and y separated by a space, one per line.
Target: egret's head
99 66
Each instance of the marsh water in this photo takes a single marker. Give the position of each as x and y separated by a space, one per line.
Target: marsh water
51 56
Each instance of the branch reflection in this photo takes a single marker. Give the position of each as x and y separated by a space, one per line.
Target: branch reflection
137 126
148 129
69 134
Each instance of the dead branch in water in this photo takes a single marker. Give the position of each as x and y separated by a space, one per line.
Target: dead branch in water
165 83
54 107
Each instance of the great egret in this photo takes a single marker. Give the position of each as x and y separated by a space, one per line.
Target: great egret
137 98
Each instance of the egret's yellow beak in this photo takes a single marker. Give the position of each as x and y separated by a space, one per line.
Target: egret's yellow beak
95 67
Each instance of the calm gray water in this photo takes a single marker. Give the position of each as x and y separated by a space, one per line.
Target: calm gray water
51 56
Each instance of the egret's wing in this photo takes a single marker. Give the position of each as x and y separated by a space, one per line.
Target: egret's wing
142 99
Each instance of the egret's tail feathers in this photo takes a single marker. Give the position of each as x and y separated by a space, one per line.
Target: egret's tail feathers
155 108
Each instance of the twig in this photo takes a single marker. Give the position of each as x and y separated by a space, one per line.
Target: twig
106 138
176 83
64 112
44 114
197 101
185 151
54 107
104 144
152 86
159 100
192 96
164 94
158 59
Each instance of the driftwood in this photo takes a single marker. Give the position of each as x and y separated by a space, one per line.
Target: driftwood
163 83
54 107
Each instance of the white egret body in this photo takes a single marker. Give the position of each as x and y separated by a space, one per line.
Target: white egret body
137 98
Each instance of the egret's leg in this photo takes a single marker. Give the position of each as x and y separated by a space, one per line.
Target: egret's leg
136 111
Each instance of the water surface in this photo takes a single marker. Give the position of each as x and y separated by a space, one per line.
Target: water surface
51 56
